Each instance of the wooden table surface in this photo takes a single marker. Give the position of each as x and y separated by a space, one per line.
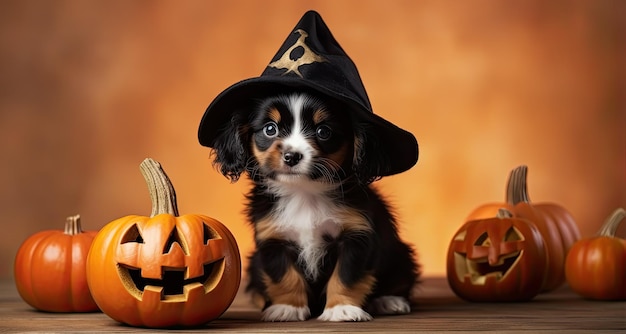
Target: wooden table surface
437 310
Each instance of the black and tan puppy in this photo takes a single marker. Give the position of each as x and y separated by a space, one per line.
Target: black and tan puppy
326 241
304 132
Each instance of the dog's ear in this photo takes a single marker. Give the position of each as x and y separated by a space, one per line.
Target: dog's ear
371 159
230 147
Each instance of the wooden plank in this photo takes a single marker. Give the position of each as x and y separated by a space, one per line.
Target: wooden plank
436 310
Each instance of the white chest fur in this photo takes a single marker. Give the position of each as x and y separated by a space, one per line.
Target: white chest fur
305 217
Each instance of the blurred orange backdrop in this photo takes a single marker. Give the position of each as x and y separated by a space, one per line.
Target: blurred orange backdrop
90 88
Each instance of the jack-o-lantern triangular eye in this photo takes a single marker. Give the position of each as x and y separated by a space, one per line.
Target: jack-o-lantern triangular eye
483 240
208 233
132 235
513 235
174 238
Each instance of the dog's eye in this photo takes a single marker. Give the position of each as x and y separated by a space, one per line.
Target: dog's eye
324 132
270 129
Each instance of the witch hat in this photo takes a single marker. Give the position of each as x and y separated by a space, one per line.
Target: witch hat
311 59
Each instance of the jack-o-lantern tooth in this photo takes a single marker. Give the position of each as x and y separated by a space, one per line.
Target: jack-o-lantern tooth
152 294
194 292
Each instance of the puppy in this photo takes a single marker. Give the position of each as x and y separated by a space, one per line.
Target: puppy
326 241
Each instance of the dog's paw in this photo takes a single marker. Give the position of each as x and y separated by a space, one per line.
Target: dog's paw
345 313
390 305
284 312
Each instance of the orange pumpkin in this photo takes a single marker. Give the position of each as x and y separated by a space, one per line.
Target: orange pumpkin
595 267
498 259
49 269
554 222
164 270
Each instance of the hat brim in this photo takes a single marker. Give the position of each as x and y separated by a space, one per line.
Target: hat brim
401 145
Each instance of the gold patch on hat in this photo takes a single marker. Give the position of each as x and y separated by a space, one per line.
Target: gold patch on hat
308 57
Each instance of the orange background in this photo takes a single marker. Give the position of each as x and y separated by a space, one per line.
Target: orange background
89 89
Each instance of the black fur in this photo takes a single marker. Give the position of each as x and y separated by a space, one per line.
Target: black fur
379 252
231 148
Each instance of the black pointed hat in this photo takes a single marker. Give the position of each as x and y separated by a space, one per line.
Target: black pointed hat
311 59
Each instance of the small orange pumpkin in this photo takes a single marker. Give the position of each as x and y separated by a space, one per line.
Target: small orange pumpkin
554 222
164 270
595 267
498 259
49 269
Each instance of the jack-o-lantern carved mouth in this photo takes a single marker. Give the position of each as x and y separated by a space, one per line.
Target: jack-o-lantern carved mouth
173 284
478 267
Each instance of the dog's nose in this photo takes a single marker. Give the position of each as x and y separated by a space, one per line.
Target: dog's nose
292 158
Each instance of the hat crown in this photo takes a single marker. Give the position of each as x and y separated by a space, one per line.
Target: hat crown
312 53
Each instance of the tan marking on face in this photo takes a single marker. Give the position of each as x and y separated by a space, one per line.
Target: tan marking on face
339 157
274 115
270 158
319 116
291 290
339 294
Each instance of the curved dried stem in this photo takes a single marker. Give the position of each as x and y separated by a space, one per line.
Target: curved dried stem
517 188
610 224
162 194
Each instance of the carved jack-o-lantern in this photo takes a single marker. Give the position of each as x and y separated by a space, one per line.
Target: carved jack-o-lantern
555 223
496 259
164 270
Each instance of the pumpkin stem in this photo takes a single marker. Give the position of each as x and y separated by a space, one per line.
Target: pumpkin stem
517 188
162 194
610 225
504 213
72 225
